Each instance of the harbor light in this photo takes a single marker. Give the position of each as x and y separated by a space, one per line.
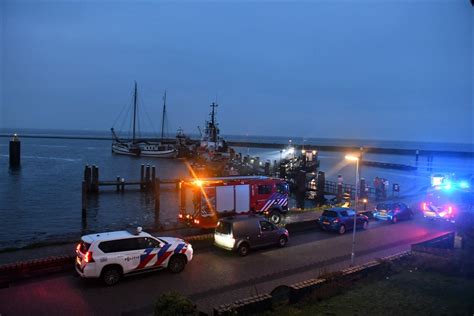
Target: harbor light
352 158
314 152
303 151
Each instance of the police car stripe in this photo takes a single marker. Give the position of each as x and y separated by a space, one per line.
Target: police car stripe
178 249
163 254
146 258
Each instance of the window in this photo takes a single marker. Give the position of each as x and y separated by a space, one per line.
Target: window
350 213
265 189
119 245
344 213
223 227
147 242
266 226
329 213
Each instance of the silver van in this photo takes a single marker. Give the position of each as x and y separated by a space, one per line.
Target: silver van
244 232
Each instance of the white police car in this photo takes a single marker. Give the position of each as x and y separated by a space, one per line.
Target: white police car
111 255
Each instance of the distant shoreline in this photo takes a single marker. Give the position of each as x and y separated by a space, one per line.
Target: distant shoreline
277 145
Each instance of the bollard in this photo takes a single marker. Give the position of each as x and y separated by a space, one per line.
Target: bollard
15 151
142 176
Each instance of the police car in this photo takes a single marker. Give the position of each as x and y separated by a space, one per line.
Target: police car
111 255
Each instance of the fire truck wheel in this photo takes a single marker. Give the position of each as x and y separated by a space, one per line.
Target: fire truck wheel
282 241
275 217
243 249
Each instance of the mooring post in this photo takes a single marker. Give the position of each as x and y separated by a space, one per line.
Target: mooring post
118 184
142 176
15 151
157 202
95 179
147 177
87 178
122 185
84 197
153 177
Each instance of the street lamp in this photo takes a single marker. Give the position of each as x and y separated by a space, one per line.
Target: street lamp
356 159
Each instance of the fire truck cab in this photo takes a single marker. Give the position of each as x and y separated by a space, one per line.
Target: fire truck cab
214 198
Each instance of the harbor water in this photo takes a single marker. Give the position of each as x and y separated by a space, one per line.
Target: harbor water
41 201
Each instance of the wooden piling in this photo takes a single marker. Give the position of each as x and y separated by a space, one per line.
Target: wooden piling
122 185
84 197
15 152
95 179
321 187
153 177
142 176
87 178
147 177
118 184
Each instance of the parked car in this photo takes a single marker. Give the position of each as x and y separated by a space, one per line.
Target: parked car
341 219
244 232
392 212
112 255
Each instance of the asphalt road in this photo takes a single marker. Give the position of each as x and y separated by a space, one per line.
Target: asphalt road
214 276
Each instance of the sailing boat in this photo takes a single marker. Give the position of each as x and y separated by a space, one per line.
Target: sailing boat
213 146
139 147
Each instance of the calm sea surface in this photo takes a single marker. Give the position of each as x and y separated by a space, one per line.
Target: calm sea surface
41 201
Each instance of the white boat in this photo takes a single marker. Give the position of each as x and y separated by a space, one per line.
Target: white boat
140 147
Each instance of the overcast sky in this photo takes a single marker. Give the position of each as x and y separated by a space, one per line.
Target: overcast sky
360 69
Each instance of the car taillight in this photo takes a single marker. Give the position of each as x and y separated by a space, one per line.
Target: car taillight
336 220
88 257
78 247
425 208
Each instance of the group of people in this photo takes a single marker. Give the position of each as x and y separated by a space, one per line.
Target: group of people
381 188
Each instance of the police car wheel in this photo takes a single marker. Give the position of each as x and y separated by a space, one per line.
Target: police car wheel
176 264
111 276
243 250
275 217
282 241
342 230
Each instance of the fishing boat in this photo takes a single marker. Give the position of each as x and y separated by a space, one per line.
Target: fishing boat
142 147
212 146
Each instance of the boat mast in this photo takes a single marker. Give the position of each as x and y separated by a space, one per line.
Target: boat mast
163 117
134 111
213 128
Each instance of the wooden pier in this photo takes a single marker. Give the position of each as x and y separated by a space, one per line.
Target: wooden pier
148 182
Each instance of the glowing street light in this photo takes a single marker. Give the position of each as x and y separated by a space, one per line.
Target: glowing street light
356 159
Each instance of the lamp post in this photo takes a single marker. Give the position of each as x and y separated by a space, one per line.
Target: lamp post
356 159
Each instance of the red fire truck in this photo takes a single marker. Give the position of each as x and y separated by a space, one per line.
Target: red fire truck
213 198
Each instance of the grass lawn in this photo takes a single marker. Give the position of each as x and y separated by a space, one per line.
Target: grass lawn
406 293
